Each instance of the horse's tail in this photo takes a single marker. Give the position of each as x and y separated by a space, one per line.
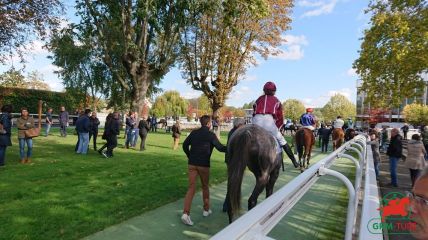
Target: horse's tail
239 151
300 142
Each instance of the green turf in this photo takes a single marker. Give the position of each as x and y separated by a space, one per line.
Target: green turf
63 195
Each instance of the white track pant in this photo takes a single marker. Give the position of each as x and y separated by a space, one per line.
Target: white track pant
268 123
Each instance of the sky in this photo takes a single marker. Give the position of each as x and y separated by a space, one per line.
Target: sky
315 64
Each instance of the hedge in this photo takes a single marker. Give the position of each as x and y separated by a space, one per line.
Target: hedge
29 98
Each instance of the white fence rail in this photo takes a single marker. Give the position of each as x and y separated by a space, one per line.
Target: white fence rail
259 221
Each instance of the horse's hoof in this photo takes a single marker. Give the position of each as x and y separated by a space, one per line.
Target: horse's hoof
301 170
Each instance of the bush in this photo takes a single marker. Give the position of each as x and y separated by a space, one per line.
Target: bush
29 98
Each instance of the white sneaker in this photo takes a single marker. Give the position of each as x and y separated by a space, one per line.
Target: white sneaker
207 213
186 219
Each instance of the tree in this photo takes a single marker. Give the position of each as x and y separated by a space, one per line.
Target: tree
394 52
75 56
170 104
338 105
35 81
221 40
416 114
248 105
201 105
318 115
22 21
137 37
13 78
293 109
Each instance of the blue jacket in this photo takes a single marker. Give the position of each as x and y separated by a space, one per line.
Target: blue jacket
307 119
83 124
5 120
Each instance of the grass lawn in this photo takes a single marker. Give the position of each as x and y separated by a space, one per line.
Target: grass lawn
62 195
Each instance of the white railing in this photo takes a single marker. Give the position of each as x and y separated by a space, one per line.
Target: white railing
259 221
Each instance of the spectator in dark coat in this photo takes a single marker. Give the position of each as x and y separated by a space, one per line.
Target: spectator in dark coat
63 121
94 122
154 124
395 150
405 130
143 129
83 128
5 131
112 131
325 138
105 133
198 147
131 124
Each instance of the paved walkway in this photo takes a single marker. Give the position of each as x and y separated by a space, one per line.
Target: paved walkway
404 184
319 215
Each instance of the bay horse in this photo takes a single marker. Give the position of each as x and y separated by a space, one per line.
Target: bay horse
253 147
305 139
338 137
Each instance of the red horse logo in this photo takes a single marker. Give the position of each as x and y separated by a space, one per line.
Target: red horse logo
396 207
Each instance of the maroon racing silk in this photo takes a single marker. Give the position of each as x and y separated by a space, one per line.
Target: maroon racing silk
268 104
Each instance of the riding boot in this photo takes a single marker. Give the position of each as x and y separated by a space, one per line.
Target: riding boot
290 154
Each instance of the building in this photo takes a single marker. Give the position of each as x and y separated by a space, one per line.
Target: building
365 113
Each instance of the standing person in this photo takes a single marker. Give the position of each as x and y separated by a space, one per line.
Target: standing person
424 136
113 132
63 121
176 132
5 131
237 123
77 133
106 132
23 123
319 134
415 160
405 130
143 129
83 128
130 125
94 122
395 150
48 121
154 124
325 137
268 115
384 134
135 132
374 142
198 147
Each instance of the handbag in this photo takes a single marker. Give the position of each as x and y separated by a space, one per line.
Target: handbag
31 133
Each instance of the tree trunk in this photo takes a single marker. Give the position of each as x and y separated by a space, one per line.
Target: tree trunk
140 92
216 110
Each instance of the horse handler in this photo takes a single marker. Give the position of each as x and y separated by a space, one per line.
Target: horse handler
202 142
268 115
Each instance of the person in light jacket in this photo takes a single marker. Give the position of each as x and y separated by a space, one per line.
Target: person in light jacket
415 160
23 123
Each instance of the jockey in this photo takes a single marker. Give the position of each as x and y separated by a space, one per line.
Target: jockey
308 120
268 115
338 123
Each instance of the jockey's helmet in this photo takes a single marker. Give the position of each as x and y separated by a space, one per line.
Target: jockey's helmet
269 86
309 110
